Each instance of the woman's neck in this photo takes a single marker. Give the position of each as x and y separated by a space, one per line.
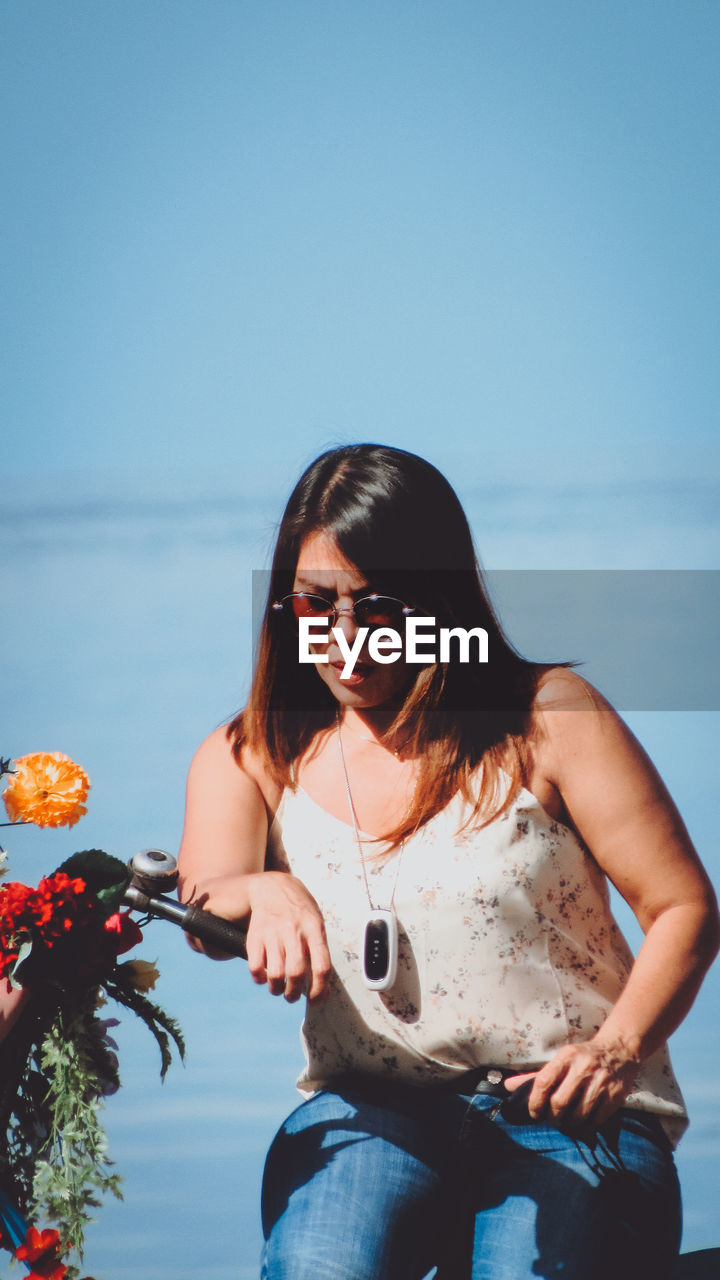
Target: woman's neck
370 724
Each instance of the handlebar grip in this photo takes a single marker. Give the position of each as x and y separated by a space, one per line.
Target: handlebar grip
215 930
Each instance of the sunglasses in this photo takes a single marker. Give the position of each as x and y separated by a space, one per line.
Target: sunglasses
371 611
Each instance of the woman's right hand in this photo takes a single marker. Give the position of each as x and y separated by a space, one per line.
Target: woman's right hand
286 944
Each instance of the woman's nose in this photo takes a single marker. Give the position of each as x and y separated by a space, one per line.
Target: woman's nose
346 619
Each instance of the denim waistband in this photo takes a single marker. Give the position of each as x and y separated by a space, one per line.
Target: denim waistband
490 1080
487 1079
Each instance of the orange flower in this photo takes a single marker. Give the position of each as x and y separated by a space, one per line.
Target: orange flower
48 789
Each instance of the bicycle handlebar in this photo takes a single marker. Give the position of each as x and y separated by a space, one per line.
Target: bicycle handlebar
155 865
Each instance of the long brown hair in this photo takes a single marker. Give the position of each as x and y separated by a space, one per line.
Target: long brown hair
395 517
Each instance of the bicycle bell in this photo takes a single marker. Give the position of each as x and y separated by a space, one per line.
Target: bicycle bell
154 871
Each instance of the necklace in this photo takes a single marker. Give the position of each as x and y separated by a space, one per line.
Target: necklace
368 737
380 934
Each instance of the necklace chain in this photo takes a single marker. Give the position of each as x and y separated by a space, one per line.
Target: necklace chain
367 737
356 828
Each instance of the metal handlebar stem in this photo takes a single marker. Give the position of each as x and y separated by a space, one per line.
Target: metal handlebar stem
154 870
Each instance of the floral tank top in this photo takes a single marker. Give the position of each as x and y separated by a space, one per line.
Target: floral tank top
507 948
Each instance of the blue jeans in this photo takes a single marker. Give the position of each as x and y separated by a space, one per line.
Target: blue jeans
387 1182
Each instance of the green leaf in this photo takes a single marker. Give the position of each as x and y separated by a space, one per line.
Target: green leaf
24 951
158 1022
105 876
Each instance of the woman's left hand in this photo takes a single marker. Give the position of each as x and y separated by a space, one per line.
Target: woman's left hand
583 1084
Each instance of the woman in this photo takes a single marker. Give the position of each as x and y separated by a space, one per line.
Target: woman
422 848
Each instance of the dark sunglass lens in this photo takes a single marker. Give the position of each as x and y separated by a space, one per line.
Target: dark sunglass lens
307 606
379 611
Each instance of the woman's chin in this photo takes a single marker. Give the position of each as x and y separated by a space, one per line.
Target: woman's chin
364 687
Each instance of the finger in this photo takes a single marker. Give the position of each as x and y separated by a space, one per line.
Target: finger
320 964
546 1081
608 1108
297 969
587 1087
578 1116
602 1099
592 1096
561 1079
275 965
569 1094
256 958
511 1083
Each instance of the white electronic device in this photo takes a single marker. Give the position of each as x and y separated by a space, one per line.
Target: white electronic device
380 950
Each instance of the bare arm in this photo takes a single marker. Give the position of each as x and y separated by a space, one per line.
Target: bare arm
222 867
619 805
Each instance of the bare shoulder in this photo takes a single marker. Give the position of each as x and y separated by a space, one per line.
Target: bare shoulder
572 721
214 751
562 689
561 710
216 768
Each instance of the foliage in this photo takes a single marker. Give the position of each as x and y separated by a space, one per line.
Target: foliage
62 942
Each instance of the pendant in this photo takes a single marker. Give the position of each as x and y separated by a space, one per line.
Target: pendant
380 950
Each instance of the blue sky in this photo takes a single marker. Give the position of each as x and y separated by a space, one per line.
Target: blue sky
238 231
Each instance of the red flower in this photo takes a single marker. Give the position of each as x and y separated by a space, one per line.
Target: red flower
42 1251
57 901
46 914
58 1271
127 932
